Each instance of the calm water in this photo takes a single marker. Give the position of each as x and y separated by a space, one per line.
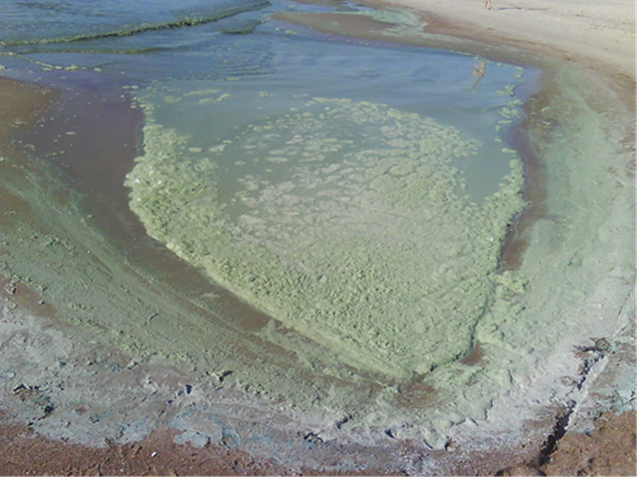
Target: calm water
234 45
358 191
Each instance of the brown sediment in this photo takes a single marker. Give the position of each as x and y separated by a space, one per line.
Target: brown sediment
609 451
475 357
92 133
23 296
24 453
27 453
534 191
22 102
416 394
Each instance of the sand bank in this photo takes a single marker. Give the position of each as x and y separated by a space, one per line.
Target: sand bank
599 34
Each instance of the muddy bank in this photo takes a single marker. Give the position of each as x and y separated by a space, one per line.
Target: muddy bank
600 36
609 451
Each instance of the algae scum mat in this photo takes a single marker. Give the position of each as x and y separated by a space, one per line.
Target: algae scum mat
339 208
343 220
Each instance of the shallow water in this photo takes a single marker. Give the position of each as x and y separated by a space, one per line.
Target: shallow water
235 44
359 192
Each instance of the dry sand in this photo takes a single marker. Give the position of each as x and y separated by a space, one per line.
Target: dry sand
600 36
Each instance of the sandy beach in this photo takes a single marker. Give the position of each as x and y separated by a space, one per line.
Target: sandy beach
138 398
599 34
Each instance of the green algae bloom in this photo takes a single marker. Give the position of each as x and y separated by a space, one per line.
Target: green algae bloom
343 220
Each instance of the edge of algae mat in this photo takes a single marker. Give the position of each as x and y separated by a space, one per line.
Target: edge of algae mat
354 233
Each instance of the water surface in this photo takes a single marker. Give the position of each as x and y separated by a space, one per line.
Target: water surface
358 192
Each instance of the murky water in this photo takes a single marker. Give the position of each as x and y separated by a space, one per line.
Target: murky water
199 45
359 192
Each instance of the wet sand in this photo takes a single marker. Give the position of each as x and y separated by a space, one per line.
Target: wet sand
28 105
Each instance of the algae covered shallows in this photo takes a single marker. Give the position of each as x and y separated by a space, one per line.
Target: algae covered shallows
344 220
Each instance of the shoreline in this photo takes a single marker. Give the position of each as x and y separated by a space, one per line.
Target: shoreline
601 36
442 25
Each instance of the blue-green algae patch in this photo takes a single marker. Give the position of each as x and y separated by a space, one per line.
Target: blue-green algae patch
345 220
